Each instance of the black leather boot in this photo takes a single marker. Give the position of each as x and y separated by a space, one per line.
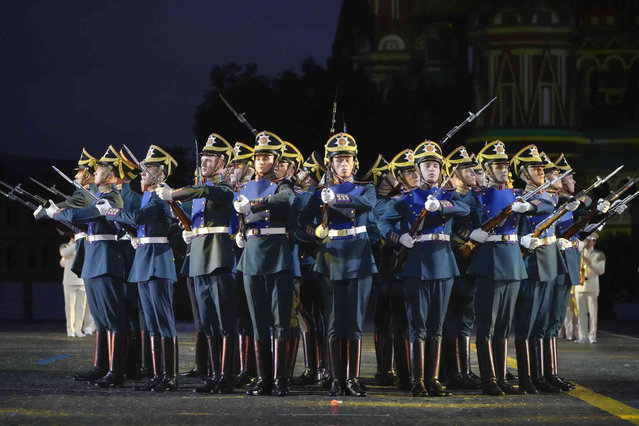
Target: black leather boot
537 367
321 347
146 358
243 378
213 344
523 366
200 369
264 360
384 357
292 346
170 363
550 366
309 376
487 368
226 383
470 381
100 359
432 359
500 358
416 351
336 381
280 386
156 362
402 362
354 352
117 362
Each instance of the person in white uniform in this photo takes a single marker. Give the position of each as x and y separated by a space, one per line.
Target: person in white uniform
593 265
75 298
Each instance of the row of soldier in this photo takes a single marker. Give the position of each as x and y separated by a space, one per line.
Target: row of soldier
279 247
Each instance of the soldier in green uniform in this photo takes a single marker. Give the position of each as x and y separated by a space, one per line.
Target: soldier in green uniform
103 269
267 263
85 177
310 312
428 272
345 261
497 266
211 260
153 270
543 265
460 316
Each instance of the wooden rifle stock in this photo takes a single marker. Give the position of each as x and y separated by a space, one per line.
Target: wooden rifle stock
403 252
181 216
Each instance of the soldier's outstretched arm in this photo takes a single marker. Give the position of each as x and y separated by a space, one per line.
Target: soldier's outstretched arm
283 198
77 200
456 206
155 210
89 213
308 218
222 192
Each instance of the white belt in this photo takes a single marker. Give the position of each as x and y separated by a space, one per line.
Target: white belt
547 241
254 232
510 237
102 237
332 233
151 240
432 237
80 235
210 230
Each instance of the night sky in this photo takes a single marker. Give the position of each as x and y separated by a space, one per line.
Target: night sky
91 73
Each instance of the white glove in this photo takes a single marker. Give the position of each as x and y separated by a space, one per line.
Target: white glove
479 235
520 207
564 243
240 241
603 206
581 246
242 205
432 204
406 240
571 206
37 211
51 209
321 232
328 196
103 207
164 192
134 243
619 209
529 242
187 236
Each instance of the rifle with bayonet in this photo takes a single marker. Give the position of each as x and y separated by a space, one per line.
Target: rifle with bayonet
198 166
471 117
583 221
328 176
63 227
127 228
177 210
417 225
52 189
589 229
547 223
501 217
240 117
21 191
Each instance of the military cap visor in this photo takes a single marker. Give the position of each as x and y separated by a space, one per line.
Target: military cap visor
493 153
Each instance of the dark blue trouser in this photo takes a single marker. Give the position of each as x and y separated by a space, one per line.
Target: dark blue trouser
558 306
426 302
494 307
311 301
195 310
109 300
156 297
94 307
270 301
532 309
132 299
244 323
460 315
345 303
217 302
